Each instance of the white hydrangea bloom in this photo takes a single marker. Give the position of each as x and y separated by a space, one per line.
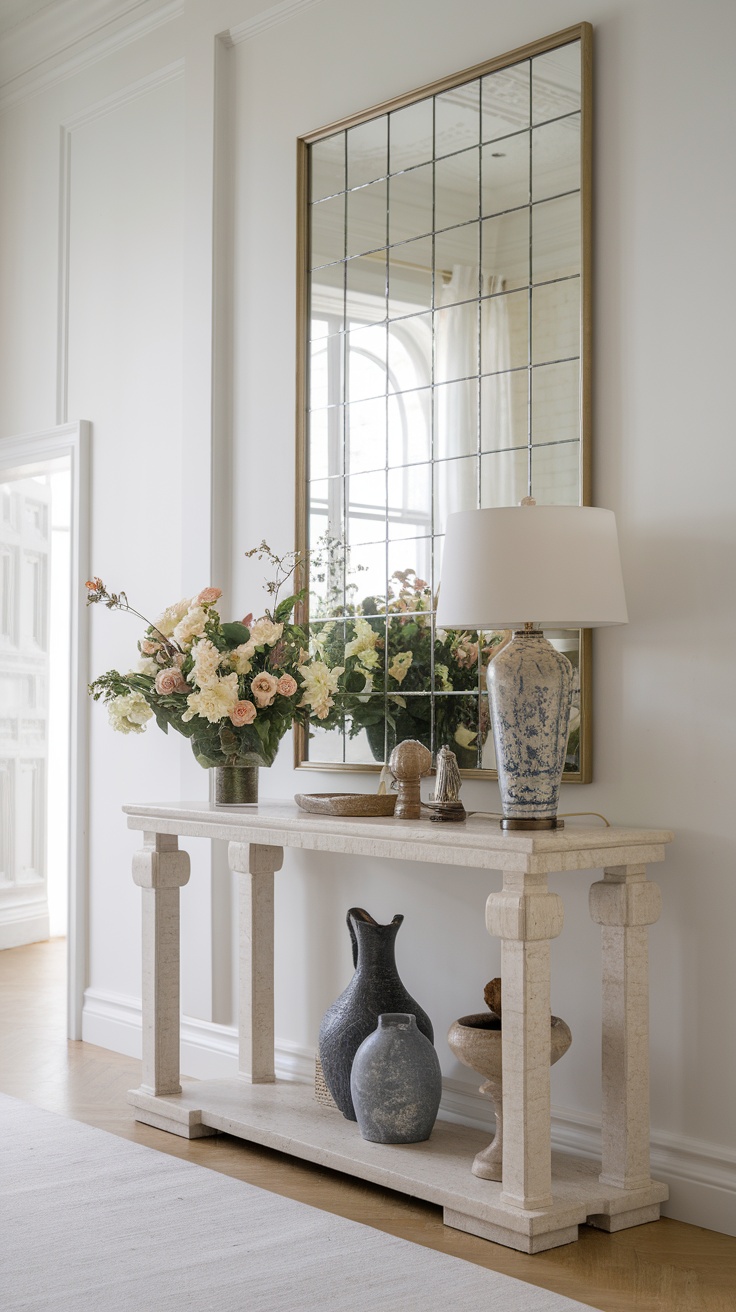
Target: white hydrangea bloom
215 701
206 659
191 626
129 713
172 616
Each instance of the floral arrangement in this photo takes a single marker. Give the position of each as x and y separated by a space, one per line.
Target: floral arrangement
232 688
404 656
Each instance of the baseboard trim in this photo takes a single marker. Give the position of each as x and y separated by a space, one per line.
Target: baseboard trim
701 1176
20 926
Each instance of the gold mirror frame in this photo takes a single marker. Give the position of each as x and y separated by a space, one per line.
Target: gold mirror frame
583 33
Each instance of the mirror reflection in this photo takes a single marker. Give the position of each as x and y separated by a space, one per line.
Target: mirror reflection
443 373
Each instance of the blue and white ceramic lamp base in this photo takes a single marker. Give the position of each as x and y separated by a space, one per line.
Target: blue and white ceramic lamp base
530 692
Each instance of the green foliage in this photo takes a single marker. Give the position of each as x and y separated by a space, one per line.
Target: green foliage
234 633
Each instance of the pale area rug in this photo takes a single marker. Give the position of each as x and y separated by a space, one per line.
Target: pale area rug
93 1223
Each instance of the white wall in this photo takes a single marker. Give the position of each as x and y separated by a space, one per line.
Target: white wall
664 461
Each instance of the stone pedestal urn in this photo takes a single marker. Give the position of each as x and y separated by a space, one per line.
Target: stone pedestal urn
476 1042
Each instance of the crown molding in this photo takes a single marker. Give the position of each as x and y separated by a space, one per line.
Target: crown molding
64 38
271 17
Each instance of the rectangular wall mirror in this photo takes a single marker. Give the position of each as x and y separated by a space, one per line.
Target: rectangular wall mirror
444 362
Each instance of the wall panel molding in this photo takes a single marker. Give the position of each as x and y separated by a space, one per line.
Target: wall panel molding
124 96
78 35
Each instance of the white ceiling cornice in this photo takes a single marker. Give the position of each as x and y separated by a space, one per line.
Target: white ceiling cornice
270 17
66 36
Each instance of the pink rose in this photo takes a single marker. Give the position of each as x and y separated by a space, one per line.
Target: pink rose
243 713
208 596
286 685
149 648
264 688
168 681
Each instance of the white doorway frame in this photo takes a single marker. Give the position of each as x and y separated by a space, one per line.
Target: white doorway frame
72 440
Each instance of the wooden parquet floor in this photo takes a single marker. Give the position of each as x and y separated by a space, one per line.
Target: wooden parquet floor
663 1267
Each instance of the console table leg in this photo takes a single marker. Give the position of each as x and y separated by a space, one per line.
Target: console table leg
525 916
160 870
624 903
256 864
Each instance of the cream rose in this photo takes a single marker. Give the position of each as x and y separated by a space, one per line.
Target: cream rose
241 658
169 681
264 688
243 713
286 685
264 633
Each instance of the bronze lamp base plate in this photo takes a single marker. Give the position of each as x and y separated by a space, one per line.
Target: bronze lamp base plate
547 822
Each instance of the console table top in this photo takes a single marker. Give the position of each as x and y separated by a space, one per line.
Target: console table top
477 842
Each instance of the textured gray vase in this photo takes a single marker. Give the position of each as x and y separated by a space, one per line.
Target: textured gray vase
396 1082
375 988
530 692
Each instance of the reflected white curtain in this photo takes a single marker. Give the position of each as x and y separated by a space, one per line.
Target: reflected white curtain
456 357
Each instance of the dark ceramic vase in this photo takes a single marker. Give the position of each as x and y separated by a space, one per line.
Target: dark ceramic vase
375 988
396 1082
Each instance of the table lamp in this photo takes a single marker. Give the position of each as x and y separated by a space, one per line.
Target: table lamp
528 568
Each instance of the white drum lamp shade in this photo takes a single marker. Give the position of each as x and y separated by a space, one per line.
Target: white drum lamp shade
554 567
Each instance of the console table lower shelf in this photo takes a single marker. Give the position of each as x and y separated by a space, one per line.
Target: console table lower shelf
286 1116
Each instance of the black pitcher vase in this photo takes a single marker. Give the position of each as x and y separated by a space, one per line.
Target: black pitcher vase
374 990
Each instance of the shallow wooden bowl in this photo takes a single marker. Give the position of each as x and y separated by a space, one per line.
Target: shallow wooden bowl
347 803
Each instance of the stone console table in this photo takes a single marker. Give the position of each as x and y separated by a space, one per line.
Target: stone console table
544 1197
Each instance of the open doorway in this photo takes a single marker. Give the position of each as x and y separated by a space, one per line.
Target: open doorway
42 674
35 627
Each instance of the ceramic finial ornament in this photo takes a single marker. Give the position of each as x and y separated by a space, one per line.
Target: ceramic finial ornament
408 762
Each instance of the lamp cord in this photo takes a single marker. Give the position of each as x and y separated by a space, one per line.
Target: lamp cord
564 815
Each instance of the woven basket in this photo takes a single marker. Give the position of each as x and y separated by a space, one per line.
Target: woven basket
321 1092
